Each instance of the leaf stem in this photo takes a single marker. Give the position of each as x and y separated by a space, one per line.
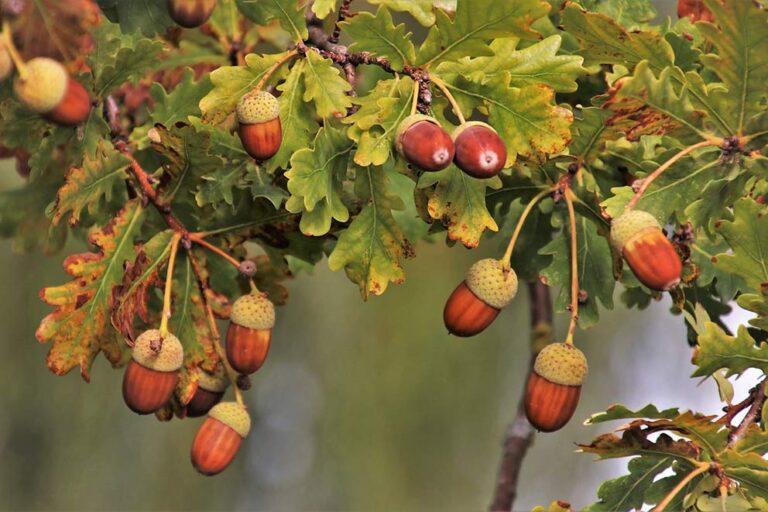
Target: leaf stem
200 241
454 104
415 99
271 71
16 57
519 227
169 285
574 266
700 468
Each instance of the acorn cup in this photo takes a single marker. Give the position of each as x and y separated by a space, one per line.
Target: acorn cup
209 392
48 89
219 437
475 303
260 130
637 236
554 386
191 13
422 142
153 372
480 152
250 332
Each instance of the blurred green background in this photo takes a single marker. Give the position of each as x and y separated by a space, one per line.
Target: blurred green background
362 406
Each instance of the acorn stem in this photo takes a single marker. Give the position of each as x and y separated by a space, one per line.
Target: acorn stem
574 267
415 99
700 468
271 71
454 104
216 336
17 59
169 285
646 182
198 239
519 227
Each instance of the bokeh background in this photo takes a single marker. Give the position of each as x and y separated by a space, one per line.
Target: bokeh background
362 406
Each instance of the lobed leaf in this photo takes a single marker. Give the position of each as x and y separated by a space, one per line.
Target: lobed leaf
378 35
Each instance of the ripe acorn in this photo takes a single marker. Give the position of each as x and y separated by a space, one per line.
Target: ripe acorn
554 386
48 89
209 392
153 372
6 64
258 115
475 303
191 13
480 152
638 237
250 332
219 437
424 143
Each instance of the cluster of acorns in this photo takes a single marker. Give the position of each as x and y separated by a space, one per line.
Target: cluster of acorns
554 384
152 375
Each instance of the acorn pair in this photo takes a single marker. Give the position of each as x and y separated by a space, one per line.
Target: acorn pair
47 88
475 147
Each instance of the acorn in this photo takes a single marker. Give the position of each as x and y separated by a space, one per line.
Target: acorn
480 152
250 332
554 386
475 303
153 372
422 141
219 437
260 130
638 237
191 13
6 64
48 89
209 392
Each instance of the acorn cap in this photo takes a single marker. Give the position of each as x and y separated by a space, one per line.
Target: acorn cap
628 224
213 382
407 123
561 363
470 124
168 359
43 86
257 107
492 283
254 311
232 415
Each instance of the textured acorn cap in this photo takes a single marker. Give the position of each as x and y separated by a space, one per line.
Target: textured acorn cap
258 107
407 123
492 284
213 382
254 311
470 124
561 363
170 357
232 415
43 86
628 224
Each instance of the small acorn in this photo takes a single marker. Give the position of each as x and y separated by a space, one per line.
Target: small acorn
475 303
638 237
48 89
209 392
219 437
260 130
191 13
423 142
6 64
153 372
250 332
480 152
554 386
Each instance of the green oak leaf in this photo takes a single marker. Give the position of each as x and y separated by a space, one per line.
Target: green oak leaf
628 492
735 354
621 412
747 236
322 8
422 10
757 304
324 85
378 34
627 13
149 17
290 14
183 101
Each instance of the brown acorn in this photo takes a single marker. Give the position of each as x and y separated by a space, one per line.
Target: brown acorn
219 437
260 130
638 237
153 372
554 386
48 89
423 142
480 152
209 392
250 332
191 13
475 303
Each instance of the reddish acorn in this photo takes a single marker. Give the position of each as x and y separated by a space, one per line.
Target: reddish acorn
209 392
260 130
250 332
422 141
475 303
153 371
191 13
554 386
219 437
638 237
480 152
48 89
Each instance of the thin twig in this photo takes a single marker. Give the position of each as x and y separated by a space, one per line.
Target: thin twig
166 315
519 227
574 266
757 404
344 13
454 104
